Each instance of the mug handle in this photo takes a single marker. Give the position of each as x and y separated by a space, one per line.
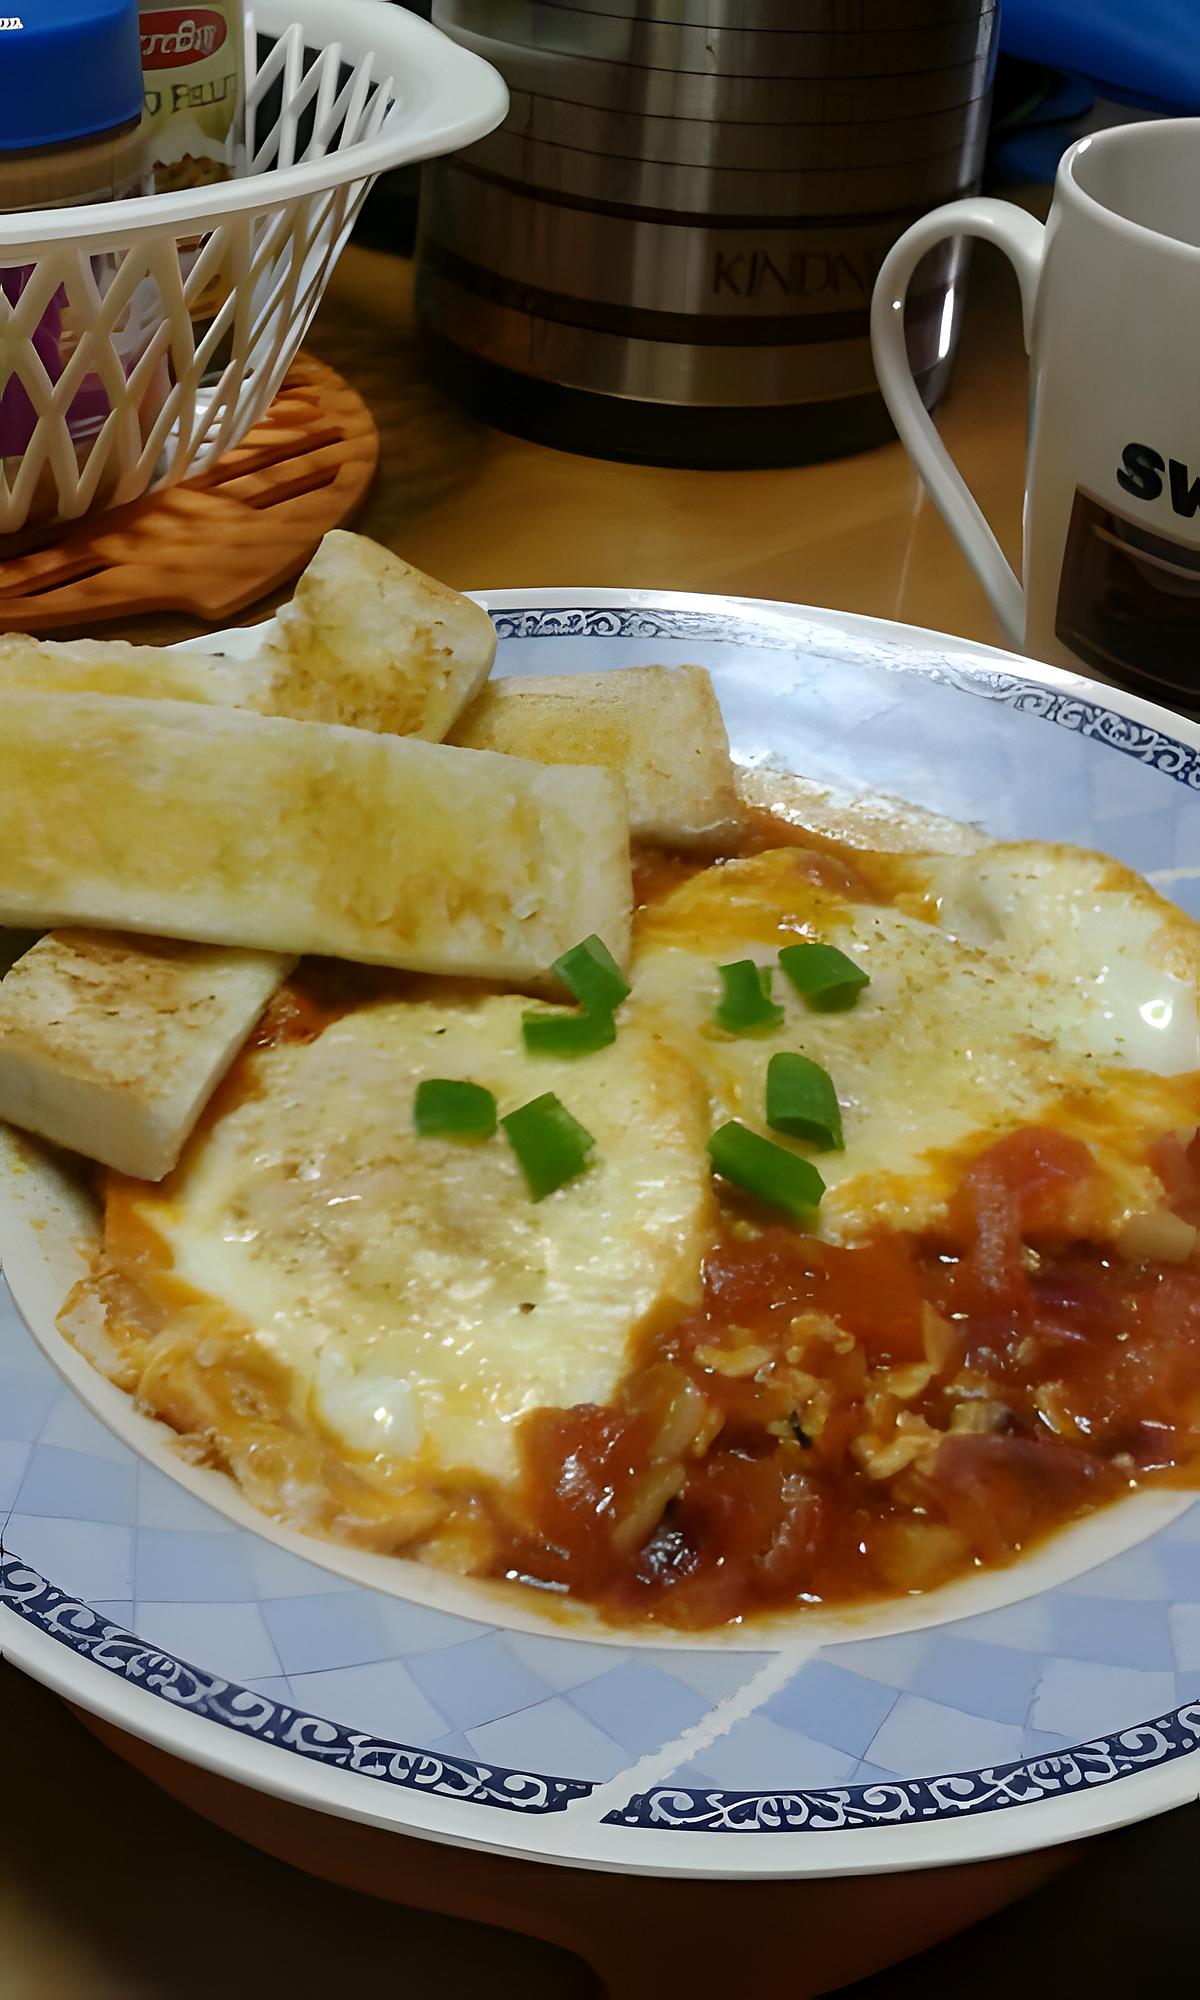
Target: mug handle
1022 240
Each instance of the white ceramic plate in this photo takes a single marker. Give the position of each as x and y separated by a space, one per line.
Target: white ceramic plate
1009 1712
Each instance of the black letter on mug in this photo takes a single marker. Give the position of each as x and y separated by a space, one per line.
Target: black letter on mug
1184 498
1141 474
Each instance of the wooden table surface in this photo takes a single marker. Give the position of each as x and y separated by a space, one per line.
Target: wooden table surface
109 1890
478 508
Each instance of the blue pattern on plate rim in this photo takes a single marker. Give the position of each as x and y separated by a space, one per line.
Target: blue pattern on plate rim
107 1645
884 1803
891 1803
1150 746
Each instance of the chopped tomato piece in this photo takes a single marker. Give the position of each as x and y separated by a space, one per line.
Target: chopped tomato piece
875 1293
1178 1168
580 1464
998 1491
761 1511
1032 1185
1167 1342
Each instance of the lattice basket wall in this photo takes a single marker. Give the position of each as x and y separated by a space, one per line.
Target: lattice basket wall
110 385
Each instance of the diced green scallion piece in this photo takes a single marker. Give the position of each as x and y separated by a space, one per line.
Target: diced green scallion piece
446 1108
802 1101
551 1146
567 1034
769 1172
745 1006
824 975
592 974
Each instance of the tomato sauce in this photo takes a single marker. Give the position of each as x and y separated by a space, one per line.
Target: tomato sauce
836 1424
322 990
832 1425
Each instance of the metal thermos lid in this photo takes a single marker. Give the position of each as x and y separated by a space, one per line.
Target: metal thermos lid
669 246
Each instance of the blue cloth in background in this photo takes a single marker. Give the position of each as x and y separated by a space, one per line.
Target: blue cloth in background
1144 52
1036 115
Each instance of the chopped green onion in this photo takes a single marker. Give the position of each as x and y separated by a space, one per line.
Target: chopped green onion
802 1101
745 1006
567 1034
444 1108
551 1146
761 1168
824 975
592 974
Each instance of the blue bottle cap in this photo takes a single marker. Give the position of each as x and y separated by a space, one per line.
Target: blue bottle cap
69 69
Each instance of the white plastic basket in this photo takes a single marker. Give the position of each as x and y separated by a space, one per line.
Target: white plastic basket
364 86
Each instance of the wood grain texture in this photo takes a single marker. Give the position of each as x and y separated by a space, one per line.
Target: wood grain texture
215 543
479 509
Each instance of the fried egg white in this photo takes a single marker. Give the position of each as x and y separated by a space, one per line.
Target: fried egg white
419 1300
1030 984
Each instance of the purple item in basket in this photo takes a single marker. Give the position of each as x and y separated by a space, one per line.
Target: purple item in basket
18 418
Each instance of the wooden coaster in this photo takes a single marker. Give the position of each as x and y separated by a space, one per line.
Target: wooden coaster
215 543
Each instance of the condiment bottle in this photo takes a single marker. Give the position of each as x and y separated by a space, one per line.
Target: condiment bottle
70 112
194 62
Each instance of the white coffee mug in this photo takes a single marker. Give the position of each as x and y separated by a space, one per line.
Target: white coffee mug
1111 296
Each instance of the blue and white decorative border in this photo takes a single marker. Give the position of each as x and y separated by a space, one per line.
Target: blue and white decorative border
106 1645
1150 746
918 1801
959 1795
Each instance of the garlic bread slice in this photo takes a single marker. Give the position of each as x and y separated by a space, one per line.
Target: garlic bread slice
370 641
110 666
230 828
367 640
113 1045
659 729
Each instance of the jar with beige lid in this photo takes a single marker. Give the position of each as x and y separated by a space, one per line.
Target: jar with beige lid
70 135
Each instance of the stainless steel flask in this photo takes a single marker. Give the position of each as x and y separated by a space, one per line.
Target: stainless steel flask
667 250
